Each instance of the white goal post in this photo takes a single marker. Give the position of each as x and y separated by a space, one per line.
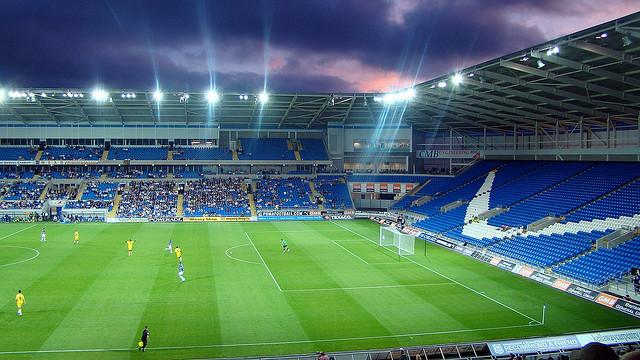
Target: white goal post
403 244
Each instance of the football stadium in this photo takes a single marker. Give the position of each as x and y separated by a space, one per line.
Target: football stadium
492 212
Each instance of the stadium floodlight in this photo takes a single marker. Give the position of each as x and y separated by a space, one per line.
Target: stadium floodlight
212 96
602 36
553 51
157 95
99 95
263 97
456 79
540 64
391 98
442 84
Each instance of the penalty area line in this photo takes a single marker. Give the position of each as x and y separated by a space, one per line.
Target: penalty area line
448 278
368 287
264 262
17 232
291 342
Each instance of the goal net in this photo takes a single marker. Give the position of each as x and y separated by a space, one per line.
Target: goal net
401 243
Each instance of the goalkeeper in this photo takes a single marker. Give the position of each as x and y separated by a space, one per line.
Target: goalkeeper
285 247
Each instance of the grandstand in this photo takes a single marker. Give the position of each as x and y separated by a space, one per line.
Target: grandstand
511 173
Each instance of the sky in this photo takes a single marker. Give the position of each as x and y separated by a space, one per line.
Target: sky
307 46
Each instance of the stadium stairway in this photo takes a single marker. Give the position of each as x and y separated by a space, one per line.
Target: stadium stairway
81 189
116 203
315 194
38 155
296 153
234 155
103 176
252 200
45 191
105 155
170 155
180 206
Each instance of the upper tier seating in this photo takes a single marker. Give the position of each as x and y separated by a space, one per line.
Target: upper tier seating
313 149
265 149
71 153
201 153
335 193
602 265
283 193
216 197
568 195
137 153
622 202
17 153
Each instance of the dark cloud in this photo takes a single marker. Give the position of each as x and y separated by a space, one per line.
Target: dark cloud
129 43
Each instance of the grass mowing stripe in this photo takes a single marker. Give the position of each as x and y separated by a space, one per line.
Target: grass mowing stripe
273 342
264 262
448 278
350 252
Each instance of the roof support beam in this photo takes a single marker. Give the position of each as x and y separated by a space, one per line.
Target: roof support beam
346 114
575 65
559 92
571 81
319 112
286 113
597 49
446 113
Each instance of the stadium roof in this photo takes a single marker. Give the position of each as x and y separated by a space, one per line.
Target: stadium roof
591 76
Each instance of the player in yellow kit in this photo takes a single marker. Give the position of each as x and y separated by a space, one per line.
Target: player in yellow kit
130 246
20 302
179 253
76 237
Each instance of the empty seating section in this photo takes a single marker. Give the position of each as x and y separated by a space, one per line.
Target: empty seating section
444 221
405 202
335 192
313 149
71 153
546 250
216 197
623 202
149 199
283 193
201 153
441 185
137 153
265 149
568 195
534 182
17 153
464 193
602 265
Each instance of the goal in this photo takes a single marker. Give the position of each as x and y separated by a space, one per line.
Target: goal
401 243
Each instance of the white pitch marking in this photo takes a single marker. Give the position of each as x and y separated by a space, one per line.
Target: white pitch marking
350 252
447 277
17 232
227 253
21 261
368 287
266 343
264 262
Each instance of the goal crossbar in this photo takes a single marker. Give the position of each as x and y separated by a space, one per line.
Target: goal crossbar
403 244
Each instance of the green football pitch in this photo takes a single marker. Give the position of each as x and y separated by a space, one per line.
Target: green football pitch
335 290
